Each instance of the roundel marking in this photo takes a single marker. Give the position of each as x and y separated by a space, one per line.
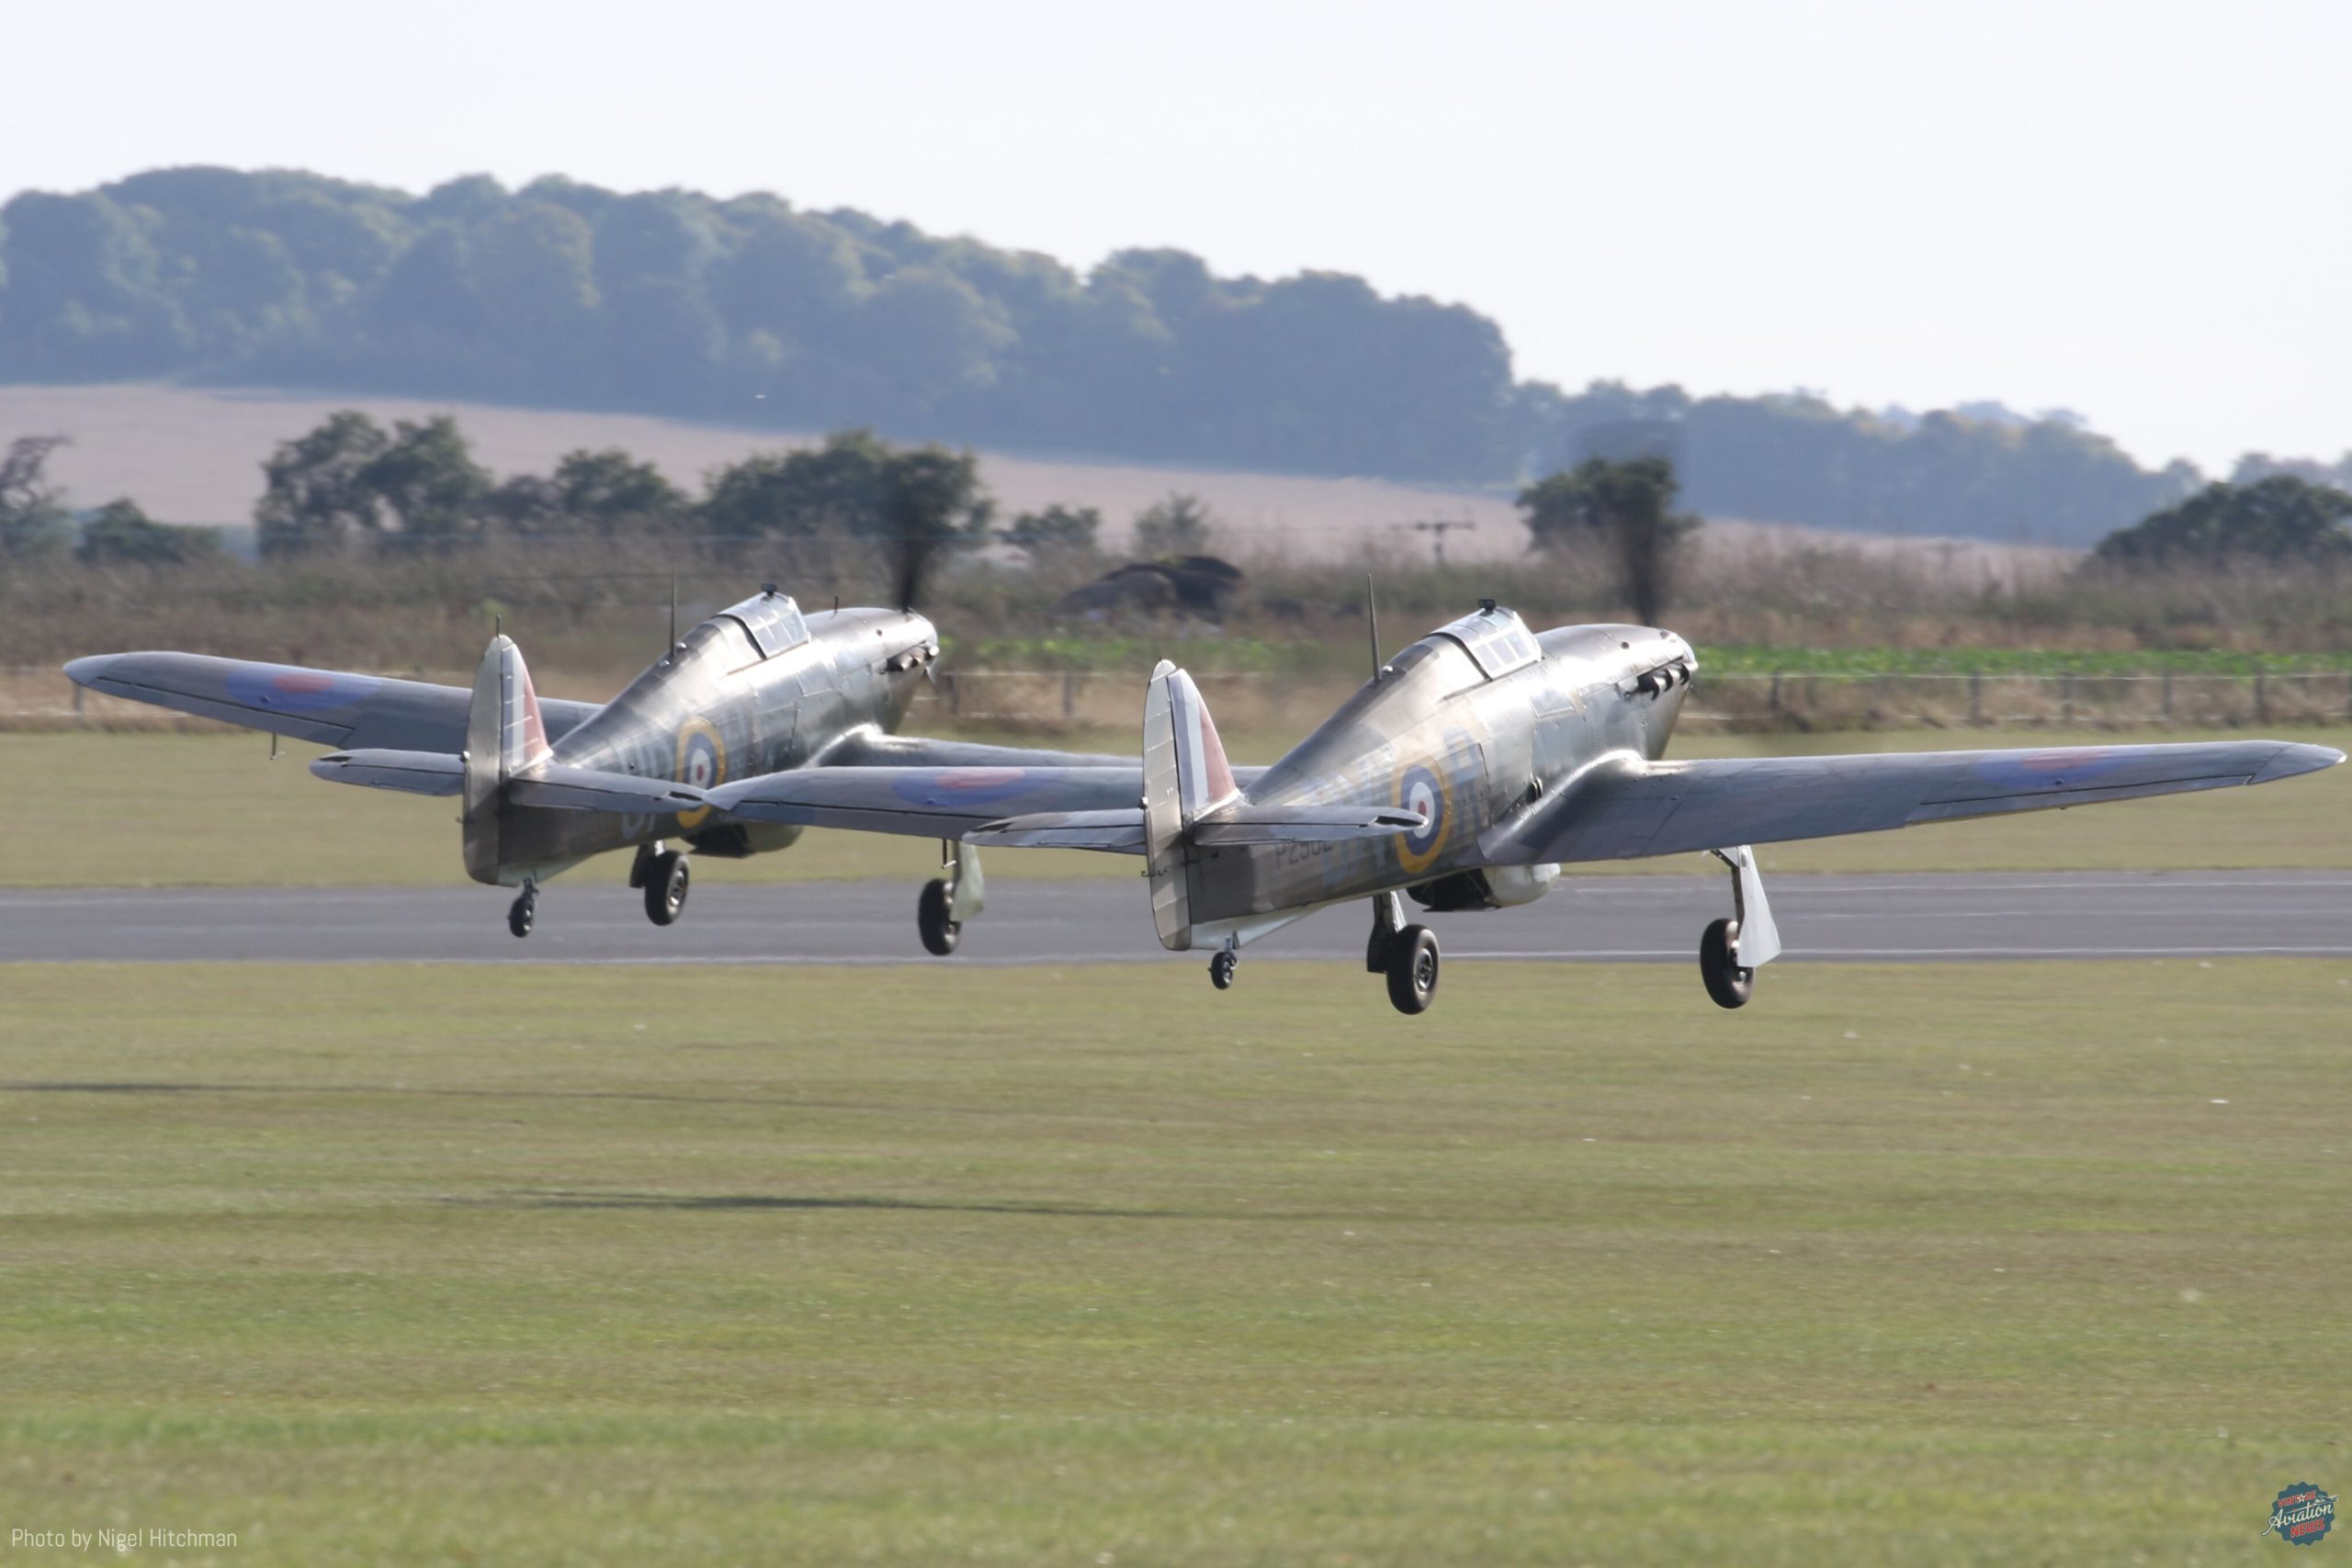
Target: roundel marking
1419 788
970 786
702 762
282 689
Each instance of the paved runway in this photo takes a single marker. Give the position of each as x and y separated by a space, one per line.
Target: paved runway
593 919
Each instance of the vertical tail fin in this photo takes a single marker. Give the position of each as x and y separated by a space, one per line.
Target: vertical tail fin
504 736
1203 778
1185 776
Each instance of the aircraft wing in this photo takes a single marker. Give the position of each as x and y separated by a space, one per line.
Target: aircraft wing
1624 807
930 802
333 708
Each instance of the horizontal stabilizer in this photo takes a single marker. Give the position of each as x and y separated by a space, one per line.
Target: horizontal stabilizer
561 788
1255 824
415 773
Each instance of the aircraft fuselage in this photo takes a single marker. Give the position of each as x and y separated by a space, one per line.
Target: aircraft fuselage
1435 734
720 706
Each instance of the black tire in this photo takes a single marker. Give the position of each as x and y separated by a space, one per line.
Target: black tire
1221 969
523 913
1412 969
665 888
1727 983
939 932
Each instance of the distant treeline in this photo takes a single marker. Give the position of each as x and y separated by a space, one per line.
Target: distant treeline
561 294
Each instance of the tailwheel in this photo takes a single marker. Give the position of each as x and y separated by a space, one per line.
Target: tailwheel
939 932
1221 969
665 887
1412 969
524 912
1727 983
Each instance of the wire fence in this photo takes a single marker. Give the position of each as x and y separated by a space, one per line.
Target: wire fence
40 698
1759 702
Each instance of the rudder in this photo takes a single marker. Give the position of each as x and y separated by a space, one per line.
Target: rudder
1185 778
504 736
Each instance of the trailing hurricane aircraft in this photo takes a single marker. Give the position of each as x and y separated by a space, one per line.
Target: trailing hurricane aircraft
546 783
1465 773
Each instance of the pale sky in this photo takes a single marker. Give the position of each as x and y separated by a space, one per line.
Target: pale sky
2139 210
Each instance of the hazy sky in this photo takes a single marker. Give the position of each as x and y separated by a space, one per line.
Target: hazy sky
2139 210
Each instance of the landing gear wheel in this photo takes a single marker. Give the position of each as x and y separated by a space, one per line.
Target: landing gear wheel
1412 969
1727 983
524 911
665 888
939 932
1221 969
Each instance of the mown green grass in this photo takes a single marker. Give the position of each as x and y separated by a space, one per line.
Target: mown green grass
164 809
1918 1266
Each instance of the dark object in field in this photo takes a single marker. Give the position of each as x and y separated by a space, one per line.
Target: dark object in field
1188 585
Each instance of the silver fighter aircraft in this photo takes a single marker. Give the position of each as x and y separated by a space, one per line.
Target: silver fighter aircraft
1465 773
753 690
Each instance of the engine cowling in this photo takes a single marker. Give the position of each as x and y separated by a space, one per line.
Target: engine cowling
1491 887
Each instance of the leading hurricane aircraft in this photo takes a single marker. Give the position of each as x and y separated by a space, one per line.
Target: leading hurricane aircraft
1464 774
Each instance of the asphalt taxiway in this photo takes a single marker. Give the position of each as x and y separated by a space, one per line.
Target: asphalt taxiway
595 920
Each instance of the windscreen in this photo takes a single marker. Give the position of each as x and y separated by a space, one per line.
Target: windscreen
773 621
1497 639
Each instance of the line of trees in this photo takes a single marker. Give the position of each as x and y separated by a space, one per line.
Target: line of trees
564 294
352 485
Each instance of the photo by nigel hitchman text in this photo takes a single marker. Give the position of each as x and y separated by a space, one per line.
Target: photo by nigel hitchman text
122 1541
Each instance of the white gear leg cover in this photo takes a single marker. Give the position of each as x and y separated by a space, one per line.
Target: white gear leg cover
1758 940
967 888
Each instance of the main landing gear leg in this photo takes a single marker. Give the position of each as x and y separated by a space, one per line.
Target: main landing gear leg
525 911
1388 920
1406 954
948 901
1730 952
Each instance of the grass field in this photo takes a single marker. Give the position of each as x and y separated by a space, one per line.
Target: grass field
1962 1265
165 809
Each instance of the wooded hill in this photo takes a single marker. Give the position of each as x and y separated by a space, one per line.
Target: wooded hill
749 309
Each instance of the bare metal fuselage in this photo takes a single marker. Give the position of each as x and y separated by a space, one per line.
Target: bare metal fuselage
1434 732
715 709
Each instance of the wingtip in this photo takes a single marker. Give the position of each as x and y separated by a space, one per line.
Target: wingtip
2298 757
86 670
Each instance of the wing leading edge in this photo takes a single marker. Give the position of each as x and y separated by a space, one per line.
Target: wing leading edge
1623 809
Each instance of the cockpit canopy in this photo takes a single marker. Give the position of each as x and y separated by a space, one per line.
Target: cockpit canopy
1495 639
772 620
